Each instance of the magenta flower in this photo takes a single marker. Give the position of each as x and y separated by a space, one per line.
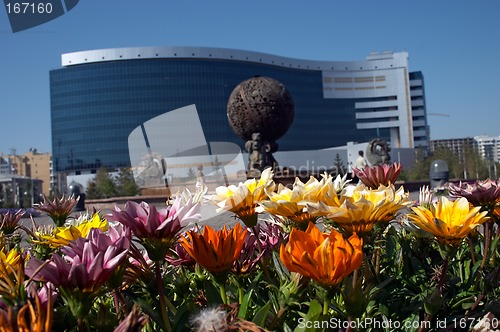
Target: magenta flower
249 256
84 267
271 236
178 256
86 264
156 229
482 193
378 175
58 209
9 222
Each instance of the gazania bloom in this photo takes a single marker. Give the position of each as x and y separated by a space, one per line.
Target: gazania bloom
58 209
340 182
378 175
9 222
449 221
292 203
485 194
12 258
157 229
361 208
12 288
86 264
179 256
327 258
216 251
271 235
243 199
62 236
249 256
134 322
29 318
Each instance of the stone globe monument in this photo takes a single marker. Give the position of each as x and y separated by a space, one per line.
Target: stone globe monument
260 110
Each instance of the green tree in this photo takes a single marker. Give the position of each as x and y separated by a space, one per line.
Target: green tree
191 174
339 165
103 185
125 183
92 190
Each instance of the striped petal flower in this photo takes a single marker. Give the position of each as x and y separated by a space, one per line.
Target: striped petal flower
448 221
362 208
327 258
243 200
216 251
378 175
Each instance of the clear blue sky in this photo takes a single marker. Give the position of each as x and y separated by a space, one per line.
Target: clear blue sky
455 43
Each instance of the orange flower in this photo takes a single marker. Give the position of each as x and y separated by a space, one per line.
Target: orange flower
326 258
215 250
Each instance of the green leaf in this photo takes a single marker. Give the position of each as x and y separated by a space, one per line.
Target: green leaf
181 318
211 293
242 313
314 313
261 315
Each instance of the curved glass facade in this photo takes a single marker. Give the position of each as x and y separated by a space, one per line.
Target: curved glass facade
96 105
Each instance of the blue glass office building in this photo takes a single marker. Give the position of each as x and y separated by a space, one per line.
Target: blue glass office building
98 97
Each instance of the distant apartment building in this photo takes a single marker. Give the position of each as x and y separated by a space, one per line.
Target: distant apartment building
33 165
5 167
457 145
487 146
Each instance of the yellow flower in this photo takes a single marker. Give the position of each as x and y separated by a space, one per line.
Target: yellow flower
293 203
216 251
62 236
327 258
11 258
449 221
361 207
243 199
11 276
32 318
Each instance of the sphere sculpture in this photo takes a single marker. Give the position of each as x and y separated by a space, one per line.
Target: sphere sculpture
260 110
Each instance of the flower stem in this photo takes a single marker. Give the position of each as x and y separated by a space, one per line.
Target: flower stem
163 300
487 237
472 253
326 305
442 275
223 295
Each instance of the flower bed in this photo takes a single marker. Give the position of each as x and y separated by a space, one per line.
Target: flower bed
331 256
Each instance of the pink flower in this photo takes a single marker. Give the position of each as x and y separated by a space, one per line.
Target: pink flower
179 256
378 175
271 236
86 264
157 229
482 193
249 256
9 222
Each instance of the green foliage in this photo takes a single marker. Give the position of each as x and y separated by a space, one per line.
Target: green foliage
125 183
104 185
191 174
339 165
468 165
